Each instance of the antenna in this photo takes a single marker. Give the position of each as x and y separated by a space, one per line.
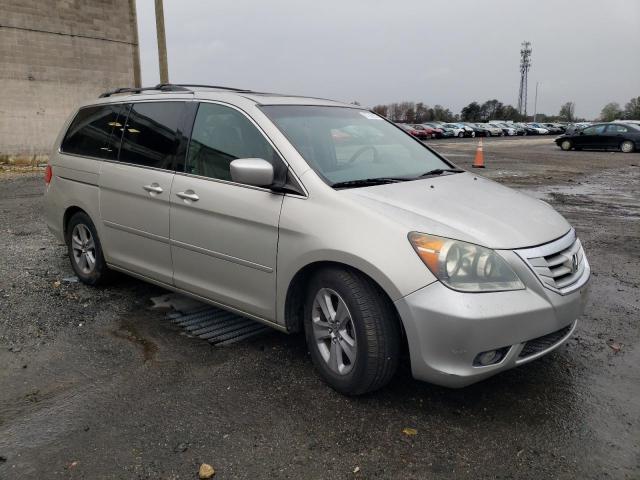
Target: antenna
525 64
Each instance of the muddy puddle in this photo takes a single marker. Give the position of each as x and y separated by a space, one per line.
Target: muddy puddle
613 192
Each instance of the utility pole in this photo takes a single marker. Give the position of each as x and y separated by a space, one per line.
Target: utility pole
136 44
162 43
535 104
525 64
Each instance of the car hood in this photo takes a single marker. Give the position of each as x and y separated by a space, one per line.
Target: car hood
466 207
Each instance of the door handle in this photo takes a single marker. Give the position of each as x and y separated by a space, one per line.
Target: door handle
153 188
188 195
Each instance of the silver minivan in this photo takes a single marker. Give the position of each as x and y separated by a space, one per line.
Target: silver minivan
316 216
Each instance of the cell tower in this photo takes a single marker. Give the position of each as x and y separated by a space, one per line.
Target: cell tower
525 64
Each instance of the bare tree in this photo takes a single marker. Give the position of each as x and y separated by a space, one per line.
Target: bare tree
567 112
382 110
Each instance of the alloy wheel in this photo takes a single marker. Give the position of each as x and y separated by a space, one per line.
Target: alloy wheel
334 331
84 248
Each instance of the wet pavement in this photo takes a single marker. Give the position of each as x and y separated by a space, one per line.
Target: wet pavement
96 384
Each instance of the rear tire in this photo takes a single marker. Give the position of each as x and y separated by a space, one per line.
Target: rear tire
627 146
357 350
566 145
460 135
85 250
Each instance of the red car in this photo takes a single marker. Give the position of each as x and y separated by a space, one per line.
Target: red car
417 131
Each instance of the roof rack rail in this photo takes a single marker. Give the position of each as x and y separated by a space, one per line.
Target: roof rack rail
163 87
198 85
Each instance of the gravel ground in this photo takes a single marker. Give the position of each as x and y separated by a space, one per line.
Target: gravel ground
95 384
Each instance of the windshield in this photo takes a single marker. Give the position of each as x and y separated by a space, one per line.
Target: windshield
347 144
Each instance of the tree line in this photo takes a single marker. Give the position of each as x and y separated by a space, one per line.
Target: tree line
411 112
613 111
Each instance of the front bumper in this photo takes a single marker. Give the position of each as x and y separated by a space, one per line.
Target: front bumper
447 329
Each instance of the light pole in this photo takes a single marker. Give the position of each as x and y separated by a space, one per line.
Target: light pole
535 104
162 43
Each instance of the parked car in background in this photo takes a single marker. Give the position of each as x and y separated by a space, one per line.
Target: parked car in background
602 136
477 129
421 134
493 130
575 127
561 126
506 129
527 130
441 130
540 130
553 129
461 129
430 131
458 130
519 130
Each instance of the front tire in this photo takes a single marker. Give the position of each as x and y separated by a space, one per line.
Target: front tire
351 330
627 146
566 145
460 135
85 250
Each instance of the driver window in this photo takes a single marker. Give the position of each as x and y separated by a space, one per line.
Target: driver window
594 130
220 135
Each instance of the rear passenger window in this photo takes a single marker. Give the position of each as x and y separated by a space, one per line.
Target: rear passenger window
617 129
150 136
221 135
95 132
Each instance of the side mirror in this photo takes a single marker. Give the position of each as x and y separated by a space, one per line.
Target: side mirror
252 171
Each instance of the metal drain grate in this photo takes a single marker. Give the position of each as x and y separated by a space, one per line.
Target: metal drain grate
215 325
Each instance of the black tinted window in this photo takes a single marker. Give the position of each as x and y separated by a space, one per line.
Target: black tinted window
95 132
221 135
151 135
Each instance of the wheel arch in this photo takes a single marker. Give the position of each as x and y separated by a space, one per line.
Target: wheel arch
70 212
295 296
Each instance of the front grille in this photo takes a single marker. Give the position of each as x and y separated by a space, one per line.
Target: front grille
542 343
560 265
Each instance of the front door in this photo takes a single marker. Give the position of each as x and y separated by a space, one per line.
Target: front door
135 190
224 235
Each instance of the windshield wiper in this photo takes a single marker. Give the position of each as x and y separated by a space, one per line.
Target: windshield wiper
366 182
440 171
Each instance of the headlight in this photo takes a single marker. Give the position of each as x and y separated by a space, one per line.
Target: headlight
464 266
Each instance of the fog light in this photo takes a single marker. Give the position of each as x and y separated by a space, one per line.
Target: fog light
490 357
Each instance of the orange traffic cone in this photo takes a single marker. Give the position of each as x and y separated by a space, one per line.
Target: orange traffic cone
478 162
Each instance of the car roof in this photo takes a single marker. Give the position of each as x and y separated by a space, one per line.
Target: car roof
210 92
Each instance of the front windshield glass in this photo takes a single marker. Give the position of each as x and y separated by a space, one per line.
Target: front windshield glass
347 144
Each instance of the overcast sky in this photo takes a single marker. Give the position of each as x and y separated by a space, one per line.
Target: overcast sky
445 52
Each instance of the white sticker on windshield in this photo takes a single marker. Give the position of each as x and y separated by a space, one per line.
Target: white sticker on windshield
370 116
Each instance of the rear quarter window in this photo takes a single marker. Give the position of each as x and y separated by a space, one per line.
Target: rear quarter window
95 132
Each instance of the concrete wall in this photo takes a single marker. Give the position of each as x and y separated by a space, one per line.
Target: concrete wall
55 54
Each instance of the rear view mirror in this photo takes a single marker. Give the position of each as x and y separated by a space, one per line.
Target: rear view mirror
252 171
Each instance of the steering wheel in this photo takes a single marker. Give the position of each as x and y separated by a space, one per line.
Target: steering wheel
361 150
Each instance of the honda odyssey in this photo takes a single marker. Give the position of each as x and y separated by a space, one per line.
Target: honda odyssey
320 217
